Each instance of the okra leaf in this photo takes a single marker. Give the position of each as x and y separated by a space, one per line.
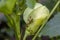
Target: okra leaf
52 28
30 3
6 6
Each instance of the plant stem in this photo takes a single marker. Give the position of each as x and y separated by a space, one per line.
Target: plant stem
16 26
16 19
14 22
46 19
26 34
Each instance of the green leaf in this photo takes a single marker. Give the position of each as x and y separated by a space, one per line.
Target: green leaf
30 3
48 3
52 28
6 6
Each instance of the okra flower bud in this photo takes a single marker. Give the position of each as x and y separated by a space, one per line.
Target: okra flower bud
37 17
28 11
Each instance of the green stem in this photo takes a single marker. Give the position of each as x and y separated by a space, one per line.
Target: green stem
46 19
16 26
17 32
26 34
14 22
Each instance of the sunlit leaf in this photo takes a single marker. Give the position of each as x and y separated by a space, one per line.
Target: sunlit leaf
6 6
